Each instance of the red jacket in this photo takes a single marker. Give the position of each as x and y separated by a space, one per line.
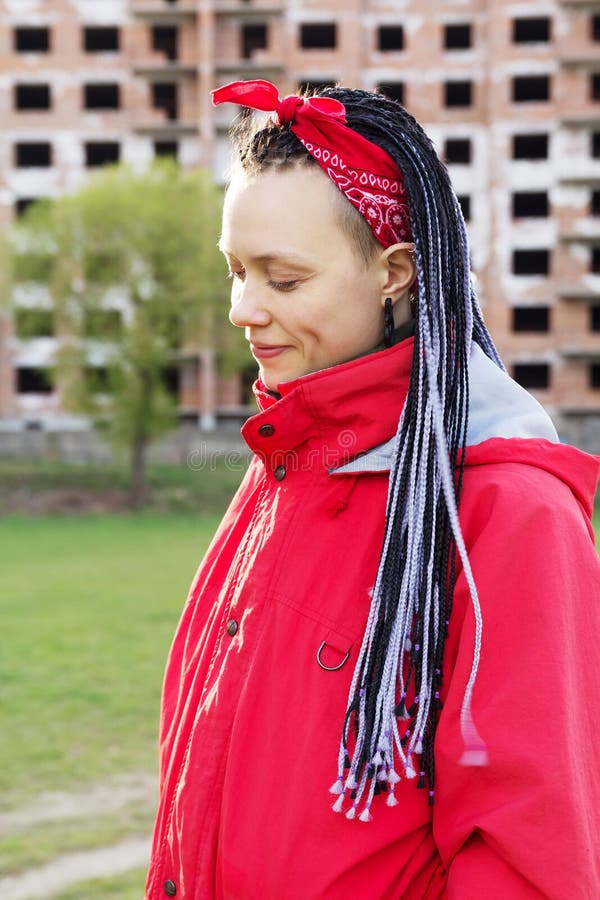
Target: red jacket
251 722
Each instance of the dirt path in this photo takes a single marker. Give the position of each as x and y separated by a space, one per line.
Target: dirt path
63 871
97 800
47 881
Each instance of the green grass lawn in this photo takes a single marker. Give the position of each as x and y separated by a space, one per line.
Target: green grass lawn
89 606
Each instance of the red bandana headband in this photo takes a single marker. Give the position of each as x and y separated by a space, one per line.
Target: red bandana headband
364 172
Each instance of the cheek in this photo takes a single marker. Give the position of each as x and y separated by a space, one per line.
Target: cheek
343 310
362 303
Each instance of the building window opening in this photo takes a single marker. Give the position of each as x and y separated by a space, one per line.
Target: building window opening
310 87
248 377
530 318
171 380
532 375
531 262
595 203
596 260
23 204
457 151
318 36
101 40
595 376
33 155
33 381
164 96
458 93
465 205
530 204
103 324
101 96
166 149
534 30
530 146
390 38
595 85
102 153
595 317
32 40
254 37
34 323
457 37
32 96
595 29
531 88
164 40
596 144
98 379
393 90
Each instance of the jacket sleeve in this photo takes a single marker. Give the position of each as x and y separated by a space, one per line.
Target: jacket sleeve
527 824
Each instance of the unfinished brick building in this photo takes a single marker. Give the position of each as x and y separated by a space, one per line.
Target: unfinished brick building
509 92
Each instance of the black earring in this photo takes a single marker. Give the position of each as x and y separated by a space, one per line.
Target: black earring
388 322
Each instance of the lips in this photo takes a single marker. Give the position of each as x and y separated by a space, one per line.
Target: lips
267 351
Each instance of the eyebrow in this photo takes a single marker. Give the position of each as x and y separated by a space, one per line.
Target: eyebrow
263 258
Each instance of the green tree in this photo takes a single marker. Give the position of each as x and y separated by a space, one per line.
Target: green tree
145 244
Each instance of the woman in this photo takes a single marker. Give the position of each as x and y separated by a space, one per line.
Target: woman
346 632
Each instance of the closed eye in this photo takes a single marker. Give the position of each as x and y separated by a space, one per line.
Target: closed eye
282 285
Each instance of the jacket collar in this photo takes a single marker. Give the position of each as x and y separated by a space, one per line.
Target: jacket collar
329 417
498 408
345 418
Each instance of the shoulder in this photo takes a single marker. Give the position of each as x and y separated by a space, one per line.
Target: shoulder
521 479
530 545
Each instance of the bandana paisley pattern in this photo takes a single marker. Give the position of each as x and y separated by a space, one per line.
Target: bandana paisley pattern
381 201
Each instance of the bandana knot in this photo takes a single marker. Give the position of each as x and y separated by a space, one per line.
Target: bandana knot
286 108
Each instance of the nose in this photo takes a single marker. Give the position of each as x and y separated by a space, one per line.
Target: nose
247 307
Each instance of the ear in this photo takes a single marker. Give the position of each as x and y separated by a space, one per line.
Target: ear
399 270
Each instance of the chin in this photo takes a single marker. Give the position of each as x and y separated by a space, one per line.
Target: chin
281 368
272 378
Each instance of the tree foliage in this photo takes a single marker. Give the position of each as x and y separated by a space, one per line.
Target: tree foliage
134 276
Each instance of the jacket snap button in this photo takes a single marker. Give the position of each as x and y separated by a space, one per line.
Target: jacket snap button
280 473
232 627
266 430
170 888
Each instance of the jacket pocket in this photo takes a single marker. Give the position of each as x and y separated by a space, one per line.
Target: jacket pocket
332 646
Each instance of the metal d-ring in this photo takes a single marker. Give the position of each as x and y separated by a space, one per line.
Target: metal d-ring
330 668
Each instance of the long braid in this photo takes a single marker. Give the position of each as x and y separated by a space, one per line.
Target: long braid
393 705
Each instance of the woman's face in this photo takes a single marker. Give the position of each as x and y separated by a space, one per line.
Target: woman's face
300 290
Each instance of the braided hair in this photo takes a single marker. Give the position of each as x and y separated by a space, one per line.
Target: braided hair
394 700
